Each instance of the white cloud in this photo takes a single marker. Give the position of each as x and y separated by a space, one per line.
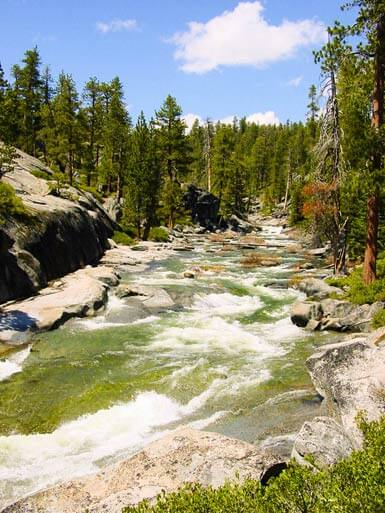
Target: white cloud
242 37
295 82
259 118
263 118
190 119
116 26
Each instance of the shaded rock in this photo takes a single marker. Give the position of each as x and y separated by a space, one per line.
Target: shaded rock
239 225
189 274
203 205
186 455
183 248
324 440
302 312
114 208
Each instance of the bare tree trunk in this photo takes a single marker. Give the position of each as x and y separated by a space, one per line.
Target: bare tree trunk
369 273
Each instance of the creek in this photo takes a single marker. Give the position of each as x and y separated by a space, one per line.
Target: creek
228 359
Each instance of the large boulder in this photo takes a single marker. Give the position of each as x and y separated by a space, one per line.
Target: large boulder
183 456
203 205
302 312
351 377
80 294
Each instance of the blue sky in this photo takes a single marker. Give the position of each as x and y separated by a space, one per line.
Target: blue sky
219 58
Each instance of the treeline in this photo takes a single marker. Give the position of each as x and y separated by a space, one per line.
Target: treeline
90 140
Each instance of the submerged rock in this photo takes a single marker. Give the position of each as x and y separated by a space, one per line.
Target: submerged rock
184 456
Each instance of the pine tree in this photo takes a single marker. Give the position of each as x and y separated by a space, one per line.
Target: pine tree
143 181
116 137
174 156
28 88
63 138
93 127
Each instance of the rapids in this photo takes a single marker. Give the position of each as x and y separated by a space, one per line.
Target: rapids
97 390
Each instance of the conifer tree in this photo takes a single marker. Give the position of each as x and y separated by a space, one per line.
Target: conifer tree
174 156
28 100
116 137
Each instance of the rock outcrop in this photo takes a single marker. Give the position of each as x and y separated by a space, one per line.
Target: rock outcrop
350 376
185 455
61 234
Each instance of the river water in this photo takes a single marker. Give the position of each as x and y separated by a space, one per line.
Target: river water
97 390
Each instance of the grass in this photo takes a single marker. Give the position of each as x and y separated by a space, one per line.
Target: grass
355 485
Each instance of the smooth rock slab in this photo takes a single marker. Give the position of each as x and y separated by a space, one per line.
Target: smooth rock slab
81 295
186 455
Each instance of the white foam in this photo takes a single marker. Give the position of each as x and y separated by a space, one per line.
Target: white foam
13 364
150 318
204 423
30 462
211 334
226 304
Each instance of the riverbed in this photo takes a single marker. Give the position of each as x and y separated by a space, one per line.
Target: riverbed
226 358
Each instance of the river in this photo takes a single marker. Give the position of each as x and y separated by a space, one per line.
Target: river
99 389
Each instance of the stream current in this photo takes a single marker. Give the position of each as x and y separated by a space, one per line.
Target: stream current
97 390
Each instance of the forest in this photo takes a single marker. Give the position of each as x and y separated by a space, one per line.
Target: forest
327 171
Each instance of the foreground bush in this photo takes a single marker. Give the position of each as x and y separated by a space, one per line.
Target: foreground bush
355 485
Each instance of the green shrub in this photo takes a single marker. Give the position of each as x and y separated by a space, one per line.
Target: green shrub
378 320
122 238
10 204
355 485
39 173
359 293
158 234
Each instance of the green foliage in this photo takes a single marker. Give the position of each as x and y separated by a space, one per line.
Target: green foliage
7 157
39 173
158 234
355 485
10 204
378 320
122 238
359 293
